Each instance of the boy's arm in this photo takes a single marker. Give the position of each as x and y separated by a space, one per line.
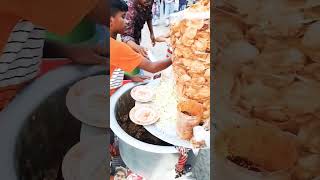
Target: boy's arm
122 56
137 48
79 54
154 67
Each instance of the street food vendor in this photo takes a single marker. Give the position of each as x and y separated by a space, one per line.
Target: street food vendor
139 12
123 57
22 36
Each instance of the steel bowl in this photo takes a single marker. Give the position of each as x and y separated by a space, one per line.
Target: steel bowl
148 160
36 128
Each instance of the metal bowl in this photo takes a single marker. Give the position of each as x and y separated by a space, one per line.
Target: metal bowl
36 128
149 160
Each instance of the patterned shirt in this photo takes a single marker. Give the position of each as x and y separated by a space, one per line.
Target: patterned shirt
116 78
136 17
20 59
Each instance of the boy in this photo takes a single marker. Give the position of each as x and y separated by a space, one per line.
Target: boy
22 42
120 173
122 57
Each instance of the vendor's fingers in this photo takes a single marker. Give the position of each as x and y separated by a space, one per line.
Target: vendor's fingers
144 77
137 79
143 52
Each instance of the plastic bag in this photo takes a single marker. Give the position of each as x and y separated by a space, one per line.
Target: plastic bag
189 115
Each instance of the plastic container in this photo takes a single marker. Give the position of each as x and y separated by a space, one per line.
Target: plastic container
189 116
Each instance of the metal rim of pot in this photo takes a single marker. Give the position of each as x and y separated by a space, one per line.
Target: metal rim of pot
12 118
114 125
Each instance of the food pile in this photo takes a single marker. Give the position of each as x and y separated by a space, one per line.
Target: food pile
167 107
255 152
268 62
190 40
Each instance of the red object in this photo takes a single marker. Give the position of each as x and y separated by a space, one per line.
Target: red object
133 176
112 91
113 151
182 160
51 64
181 163
125 82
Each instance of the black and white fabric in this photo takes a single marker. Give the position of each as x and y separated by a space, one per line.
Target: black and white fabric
21 58
116 78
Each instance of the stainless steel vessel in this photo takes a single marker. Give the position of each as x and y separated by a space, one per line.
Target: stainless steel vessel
35 128
153 162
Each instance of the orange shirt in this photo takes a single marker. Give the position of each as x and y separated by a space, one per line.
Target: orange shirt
123 56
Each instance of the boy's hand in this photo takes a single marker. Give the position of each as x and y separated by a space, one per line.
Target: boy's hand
139 78
142 51
87 55
138 49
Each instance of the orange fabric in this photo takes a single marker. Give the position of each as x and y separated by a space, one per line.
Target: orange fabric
123 56
58 16
7 23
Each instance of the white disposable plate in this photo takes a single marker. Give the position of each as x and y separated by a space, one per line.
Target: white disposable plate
87 101
148 108
86 160
136 93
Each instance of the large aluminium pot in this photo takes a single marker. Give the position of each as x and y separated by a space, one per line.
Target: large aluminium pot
36 129
151 161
